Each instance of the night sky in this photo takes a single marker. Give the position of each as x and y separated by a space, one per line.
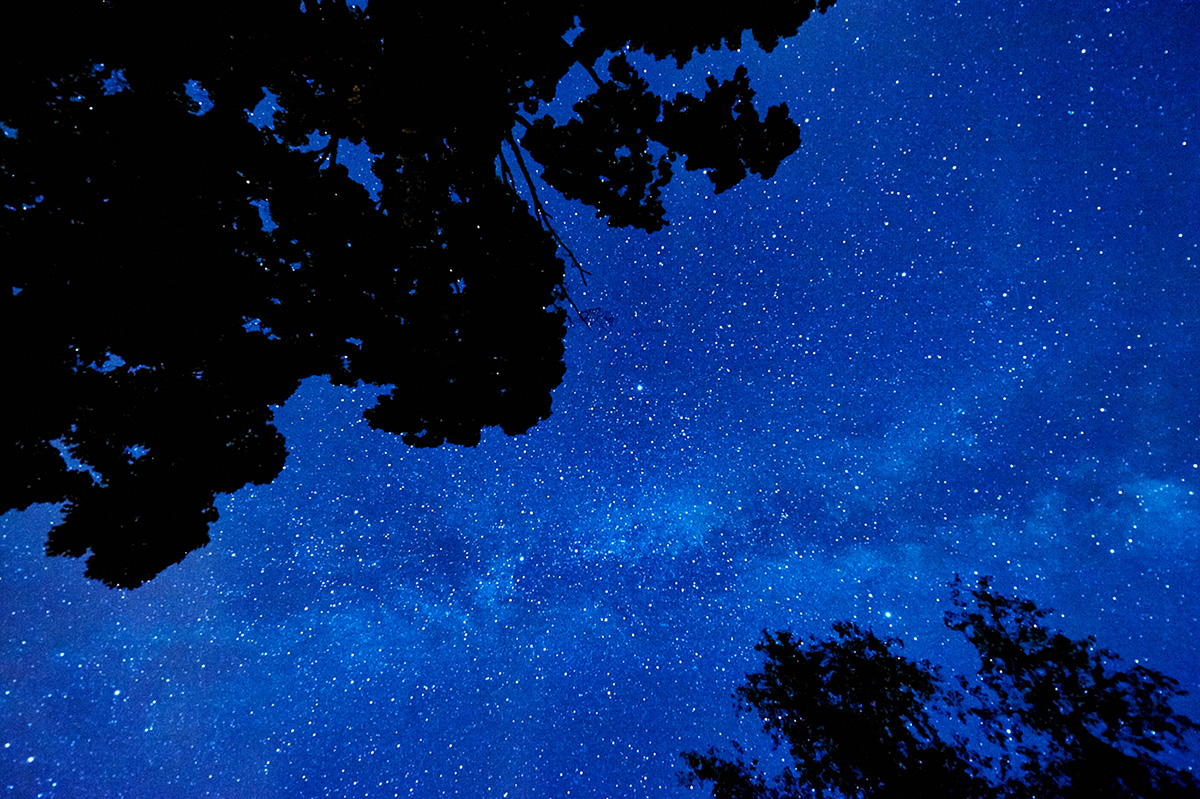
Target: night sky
956 333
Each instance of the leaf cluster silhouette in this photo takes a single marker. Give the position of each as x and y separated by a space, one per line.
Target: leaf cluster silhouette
1046 716
173 271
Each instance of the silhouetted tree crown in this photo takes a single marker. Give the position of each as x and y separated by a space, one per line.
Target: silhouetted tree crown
1047 716
173 270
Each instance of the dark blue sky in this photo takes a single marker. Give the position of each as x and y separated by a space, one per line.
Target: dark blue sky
956 333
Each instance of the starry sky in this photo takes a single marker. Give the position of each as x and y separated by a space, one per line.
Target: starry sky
955 333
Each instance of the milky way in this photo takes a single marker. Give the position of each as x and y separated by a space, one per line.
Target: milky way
954 334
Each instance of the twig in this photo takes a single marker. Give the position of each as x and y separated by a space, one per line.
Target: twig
506 172
538 210
578 312
591 71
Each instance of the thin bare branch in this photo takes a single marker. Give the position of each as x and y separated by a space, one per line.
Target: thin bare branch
506 172
539 211
591 71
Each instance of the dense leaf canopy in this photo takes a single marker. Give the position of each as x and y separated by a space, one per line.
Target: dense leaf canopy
176 270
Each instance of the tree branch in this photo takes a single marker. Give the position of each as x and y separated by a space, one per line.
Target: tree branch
539 211
591 71
506 172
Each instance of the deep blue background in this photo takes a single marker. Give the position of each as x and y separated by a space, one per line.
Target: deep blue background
955 333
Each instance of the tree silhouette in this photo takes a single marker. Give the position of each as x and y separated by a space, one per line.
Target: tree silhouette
1047 716
173 270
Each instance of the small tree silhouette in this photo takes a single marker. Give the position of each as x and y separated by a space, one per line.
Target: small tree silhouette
1048 716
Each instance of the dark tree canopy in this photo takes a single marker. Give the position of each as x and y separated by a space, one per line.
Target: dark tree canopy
173 271
1047 716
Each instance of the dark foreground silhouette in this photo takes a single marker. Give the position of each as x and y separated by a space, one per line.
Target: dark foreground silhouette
171 270
1046 717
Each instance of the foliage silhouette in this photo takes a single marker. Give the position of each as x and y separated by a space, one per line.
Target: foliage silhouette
1048 716
175 270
